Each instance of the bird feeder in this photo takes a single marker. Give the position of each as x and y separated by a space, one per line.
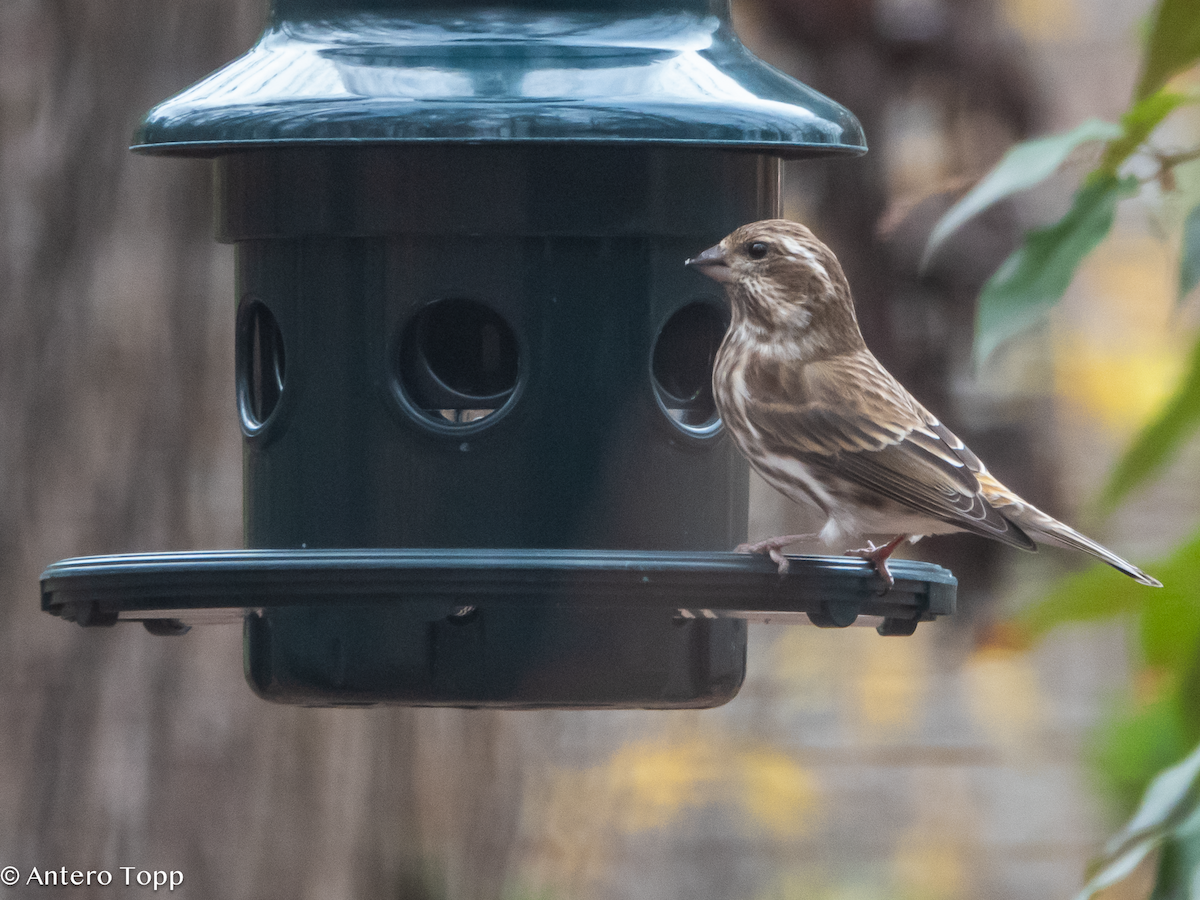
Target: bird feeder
482 462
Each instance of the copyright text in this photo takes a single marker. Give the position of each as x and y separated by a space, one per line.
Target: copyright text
122 876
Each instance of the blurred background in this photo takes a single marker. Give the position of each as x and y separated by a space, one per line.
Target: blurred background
952 764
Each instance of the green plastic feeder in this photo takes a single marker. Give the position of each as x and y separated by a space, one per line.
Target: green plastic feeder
482 462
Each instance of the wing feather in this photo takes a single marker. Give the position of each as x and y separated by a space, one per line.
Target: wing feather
848 417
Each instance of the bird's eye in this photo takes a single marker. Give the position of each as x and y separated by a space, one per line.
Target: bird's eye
756 249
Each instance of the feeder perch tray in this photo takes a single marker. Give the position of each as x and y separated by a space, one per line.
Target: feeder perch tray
168 592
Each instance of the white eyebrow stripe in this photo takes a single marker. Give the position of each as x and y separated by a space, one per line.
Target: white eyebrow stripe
799 250
793 247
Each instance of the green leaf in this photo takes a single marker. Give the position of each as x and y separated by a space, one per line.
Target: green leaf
1021 168
1170 797
1189 263
1170 621
1157 442
1173 44
1187 692
1136 744
1180 862
1170 626
1099 593
1168 808
1086 596
1136 124
1033 279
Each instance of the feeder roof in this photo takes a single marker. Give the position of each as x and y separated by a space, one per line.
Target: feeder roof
674 77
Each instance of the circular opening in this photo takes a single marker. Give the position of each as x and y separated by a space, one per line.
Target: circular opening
458 361
261 363
682 364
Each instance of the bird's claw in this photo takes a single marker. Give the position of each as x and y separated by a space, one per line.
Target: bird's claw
878 557
781 561
773 547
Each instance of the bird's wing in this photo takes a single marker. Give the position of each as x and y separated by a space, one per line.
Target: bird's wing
848 417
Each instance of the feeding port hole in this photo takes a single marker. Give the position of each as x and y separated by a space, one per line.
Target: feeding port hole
458 361
682 364
261 363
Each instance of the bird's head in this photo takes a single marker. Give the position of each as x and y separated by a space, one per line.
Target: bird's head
780 278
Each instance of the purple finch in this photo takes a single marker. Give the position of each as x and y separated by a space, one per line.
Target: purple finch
824 423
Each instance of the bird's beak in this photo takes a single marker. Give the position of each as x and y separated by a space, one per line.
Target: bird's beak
712 263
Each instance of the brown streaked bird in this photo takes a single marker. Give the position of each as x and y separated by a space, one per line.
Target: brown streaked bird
825 424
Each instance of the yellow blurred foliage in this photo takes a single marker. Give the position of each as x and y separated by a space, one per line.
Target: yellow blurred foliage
1042 20
805 668
1004 697
779 795
877 687
1117 352
1128 284
648 783
1119 389
1150 683
655 780
891 684
930 871
807 885
932 858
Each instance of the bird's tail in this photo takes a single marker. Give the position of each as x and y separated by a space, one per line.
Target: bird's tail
1045 529
1070 539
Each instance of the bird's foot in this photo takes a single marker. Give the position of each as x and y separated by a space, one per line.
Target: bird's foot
773 547
878 557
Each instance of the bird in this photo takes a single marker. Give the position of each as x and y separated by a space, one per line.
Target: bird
823 422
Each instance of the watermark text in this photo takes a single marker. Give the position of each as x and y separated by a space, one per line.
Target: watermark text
121 876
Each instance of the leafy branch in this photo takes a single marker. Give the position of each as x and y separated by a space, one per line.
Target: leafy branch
1159 726
1035 277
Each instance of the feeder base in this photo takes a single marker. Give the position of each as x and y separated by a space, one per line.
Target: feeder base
496 628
